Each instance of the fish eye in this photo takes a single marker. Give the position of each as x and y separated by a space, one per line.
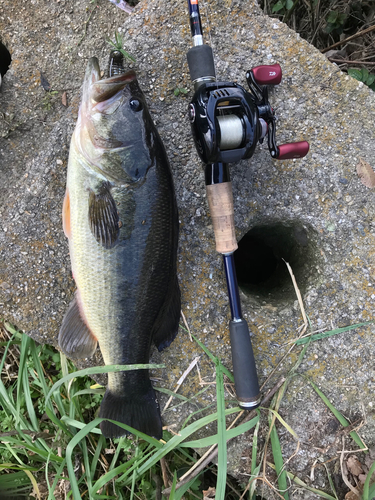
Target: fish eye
135 105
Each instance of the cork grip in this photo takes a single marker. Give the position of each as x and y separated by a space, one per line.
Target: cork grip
220 201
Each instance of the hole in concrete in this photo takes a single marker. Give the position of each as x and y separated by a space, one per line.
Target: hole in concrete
5 59
261 270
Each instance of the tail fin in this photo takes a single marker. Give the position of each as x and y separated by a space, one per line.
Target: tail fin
141 412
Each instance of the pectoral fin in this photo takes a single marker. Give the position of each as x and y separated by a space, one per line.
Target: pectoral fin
103 216
75 338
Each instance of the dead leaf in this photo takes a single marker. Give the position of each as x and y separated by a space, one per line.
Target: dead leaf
209 494
354 465
351 496
366 173
64 99
362 478
44 82
336 54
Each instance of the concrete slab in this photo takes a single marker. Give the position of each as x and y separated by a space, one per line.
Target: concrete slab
315 212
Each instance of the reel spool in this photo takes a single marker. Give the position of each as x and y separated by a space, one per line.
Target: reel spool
224 121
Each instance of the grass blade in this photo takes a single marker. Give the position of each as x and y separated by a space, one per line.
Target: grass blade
303 485
172 495
59 423
171 393
22 382
100 369
78 425
14 484
5 399
58 477
85 392
229 434
323 335
34 483
98 450
340 417
188 400
282 421
196 413
163 450
124 469
366 486
17 443
69 451
134 475
119 447
254 468
279 462
41 376
331 482
372 491
86 462
213 358
221 428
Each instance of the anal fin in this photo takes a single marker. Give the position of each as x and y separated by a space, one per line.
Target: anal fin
75 339
166 326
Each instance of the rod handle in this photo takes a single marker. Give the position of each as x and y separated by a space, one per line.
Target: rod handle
244 369
220 201
201 63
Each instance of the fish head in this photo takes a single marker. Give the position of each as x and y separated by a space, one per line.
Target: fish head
115 133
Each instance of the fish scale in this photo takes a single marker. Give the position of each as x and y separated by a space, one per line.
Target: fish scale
121 219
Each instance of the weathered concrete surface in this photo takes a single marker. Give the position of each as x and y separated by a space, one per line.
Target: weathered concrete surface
317 203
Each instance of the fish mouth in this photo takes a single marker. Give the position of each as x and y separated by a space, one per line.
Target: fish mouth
97 89
103 90
101 97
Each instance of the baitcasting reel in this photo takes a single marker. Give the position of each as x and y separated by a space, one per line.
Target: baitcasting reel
227 121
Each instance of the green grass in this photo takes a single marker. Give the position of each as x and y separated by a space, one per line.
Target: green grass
49 434
118 44
333 24
50 440
324 335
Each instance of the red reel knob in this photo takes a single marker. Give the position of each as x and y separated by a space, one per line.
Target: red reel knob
293 150
267 75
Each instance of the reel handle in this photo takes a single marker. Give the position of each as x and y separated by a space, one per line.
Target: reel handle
267 74
292 150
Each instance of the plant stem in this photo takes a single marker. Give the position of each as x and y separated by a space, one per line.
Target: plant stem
290 12
342 42
347 61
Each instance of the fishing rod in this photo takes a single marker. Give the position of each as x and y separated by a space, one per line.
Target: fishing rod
227 122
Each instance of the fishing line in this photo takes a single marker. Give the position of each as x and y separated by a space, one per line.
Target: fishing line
206 7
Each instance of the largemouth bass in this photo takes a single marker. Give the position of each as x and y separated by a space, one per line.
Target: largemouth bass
120 216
